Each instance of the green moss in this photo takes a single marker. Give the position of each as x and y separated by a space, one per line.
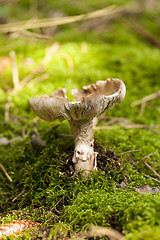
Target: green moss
112 206
147 233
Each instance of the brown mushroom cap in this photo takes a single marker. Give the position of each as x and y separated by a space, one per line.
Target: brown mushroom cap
108 87
92 101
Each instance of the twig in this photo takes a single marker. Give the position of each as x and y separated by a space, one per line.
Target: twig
5 141
103 23
131 151
38 79
142 108
69 61
15 76
50 52
128 126
144 33
146 99
30 35
18 211
7 107
24 133
154 179
5 172
149 155
43 23
102 127
56 205
14 199
41 68
154 172
142 126
52 127
36 131
112 119
65 135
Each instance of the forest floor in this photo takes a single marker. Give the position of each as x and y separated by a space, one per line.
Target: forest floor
36 182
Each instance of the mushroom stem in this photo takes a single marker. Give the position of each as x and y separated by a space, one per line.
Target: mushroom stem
84 157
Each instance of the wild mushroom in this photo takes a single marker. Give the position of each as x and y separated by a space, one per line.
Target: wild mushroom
92 101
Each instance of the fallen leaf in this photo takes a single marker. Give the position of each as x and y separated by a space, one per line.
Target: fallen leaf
123 185
145 188
4 140
5 63
97 231
37 141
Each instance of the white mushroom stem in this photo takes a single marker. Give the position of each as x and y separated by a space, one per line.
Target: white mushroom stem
84 157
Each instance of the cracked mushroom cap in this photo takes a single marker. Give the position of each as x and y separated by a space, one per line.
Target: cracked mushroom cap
92 101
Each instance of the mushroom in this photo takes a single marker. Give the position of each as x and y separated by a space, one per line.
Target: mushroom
92 101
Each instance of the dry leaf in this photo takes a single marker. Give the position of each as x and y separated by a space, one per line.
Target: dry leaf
37 141
97 231
5 63
4 140
145 188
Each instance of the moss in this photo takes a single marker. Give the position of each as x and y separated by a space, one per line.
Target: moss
112 206
147 233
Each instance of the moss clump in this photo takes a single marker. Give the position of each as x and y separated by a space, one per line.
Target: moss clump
112 206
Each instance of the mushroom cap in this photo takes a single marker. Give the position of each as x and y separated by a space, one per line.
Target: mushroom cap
92 101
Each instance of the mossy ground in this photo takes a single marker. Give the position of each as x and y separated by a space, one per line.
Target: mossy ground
65 204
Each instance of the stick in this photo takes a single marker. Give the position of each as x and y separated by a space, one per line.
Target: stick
24 133
102 127
144 33
38 79
65 135
129 126
131 151
7 107
42 23
112 119
11 211
5 172
30 35
146 99
41 68
68 60
13 200
142 108
50 52
56 204
150 155
142 126
15 76
36 132
154 172
154 179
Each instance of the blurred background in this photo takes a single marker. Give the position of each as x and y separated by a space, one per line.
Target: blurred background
45 45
